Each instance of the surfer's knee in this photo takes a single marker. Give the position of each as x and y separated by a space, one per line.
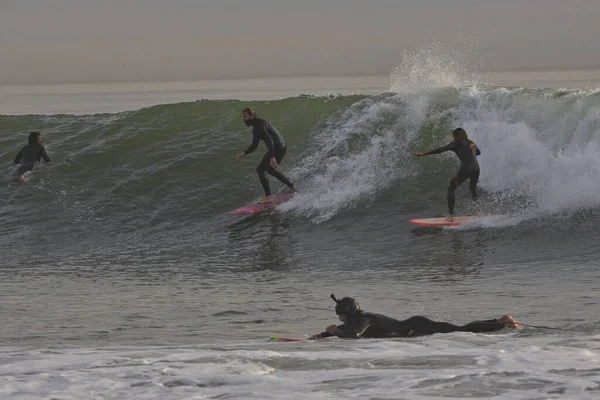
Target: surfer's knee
271 171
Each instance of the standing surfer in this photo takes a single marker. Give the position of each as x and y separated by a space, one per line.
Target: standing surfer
467 152
263 130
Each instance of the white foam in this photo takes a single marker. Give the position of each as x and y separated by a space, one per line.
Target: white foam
544 147
453 365
436 65
358 155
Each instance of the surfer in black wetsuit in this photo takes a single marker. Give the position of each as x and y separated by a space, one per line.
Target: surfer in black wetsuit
358 323
263 130
467 152
31 154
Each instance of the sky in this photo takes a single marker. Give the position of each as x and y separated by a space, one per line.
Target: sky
61 41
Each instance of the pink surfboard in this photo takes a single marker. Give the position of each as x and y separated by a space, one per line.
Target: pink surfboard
440 222
254 208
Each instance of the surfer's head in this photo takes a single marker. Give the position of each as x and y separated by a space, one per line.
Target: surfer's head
346 307
459 134
35 138
248 115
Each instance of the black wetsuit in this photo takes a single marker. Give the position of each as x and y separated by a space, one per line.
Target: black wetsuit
370 325
29 155
467 152
263 130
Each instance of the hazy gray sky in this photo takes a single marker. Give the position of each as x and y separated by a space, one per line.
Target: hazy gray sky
54 41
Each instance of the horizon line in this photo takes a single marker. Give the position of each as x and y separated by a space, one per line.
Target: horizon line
276 76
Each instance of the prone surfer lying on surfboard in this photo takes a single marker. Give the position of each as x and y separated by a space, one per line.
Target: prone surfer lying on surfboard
263 130
31 154
467 152
358 323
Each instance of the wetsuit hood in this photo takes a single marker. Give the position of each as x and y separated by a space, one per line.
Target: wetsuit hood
347 306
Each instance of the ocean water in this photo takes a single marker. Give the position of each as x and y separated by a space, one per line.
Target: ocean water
121 276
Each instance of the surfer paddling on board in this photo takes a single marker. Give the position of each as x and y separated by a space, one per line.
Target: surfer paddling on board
265 131
30 155
358 323
467 152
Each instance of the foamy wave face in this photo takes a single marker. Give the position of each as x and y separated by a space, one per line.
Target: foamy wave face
453 365
540 149
537 143
356 155
541 145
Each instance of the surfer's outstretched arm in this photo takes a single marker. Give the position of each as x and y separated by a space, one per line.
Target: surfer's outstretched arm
253 146
449 146
344 332
324 334
356 331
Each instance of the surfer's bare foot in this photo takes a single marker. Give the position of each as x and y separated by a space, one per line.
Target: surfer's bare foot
266 199
450 218
22 178
505 318
510 322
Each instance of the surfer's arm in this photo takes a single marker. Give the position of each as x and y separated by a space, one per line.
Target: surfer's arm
44 155
325 334
449 146
253 146
18 157
321 335
357 330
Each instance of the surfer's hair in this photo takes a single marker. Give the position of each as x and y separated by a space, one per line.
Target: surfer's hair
249 111
33 137
460 133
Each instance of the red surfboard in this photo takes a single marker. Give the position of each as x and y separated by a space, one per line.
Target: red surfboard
439 222
256 207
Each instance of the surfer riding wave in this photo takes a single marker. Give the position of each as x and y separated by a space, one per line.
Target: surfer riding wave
467 152
265 131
